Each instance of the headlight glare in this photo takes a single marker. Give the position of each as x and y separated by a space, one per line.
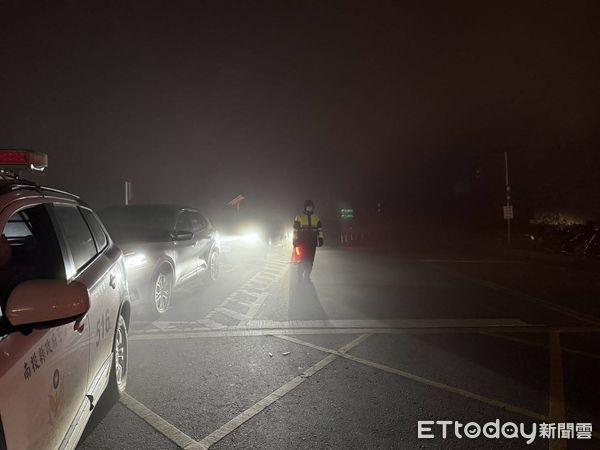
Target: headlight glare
134 260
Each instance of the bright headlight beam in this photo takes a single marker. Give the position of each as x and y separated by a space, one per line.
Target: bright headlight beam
252 237
134 260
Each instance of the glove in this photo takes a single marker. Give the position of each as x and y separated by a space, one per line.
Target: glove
320 242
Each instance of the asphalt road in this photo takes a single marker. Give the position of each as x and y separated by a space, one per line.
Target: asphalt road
354 359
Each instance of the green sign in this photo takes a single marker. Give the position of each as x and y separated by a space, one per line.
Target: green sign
347 213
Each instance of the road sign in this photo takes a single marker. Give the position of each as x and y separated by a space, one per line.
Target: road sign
236 201
347 213
508 212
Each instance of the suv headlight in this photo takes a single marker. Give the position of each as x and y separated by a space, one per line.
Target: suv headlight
134 260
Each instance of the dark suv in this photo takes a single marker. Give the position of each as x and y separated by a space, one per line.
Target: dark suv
164 246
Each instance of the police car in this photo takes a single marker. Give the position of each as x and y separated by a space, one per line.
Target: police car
64 311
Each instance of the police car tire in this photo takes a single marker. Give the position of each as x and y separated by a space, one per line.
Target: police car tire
115 389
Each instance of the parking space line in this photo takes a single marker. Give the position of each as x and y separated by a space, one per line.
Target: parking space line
159 424
237 331
557 390
259 406
565 311
452 389
394 323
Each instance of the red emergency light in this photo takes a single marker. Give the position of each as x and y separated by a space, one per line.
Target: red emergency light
23 159
297 254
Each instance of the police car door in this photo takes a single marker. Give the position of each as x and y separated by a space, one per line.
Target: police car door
43 373
105 301
96 271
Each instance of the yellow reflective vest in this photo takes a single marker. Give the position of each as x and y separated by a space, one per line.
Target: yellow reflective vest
307 229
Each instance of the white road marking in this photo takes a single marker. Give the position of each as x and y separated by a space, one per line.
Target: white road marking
254 308
255 409
455 390
165 325
264 279
209 323
240 332
186 442
246 323
401 323
233 314
159 424
251 294
245 292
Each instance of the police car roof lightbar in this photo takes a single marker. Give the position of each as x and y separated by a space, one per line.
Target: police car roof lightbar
14 160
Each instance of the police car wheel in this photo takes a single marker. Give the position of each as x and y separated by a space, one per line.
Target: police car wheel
118 373
161 292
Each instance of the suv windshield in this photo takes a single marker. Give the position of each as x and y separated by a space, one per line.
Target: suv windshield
139 222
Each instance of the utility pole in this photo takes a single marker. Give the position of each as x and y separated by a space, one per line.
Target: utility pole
127 192
508 209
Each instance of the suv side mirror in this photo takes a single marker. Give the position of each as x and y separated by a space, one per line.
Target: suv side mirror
181 235
38 301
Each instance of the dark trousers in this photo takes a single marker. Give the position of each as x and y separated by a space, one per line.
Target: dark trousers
306 264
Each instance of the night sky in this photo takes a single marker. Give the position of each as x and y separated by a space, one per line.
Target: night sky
347 102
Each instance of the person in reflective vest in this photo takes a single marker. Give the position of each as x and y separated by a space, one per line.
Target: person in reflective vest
308 235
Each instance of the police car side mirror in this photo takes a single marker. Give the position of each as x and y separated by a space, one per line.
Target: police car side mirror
182 235
39 301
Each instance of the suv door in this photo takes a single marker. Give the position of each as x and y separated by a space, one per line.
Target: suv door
43 374
203 235
86 242
187 250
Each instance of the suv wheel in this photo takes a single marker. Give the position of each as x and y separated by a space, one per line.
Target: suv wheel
212 271
162 290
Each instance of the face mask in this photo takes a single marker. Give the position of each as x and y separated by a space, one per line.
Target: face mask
309 209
